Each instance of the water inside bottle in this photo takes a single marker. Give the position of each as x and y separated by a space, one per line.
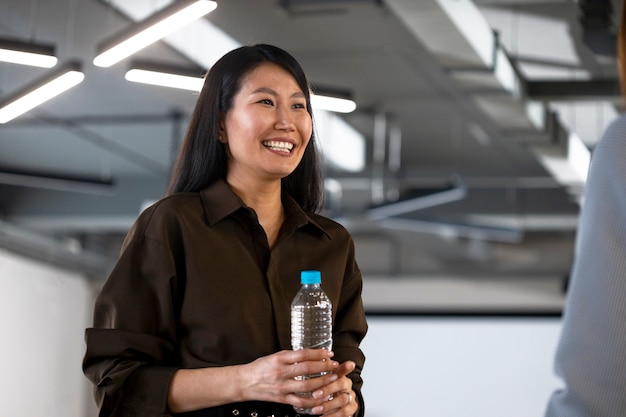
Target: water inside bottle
317 320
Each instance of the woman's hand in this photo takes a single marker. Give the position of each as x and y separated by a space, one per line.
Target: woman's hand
273 378
339 396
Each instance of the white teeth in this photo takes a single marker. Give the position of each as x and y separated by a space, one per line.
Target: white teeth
278 145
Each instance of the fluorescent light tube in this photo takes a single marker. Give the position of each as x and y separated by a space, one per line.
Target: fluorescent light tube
41 91
26 53
185 78
155 27
334 104
163 79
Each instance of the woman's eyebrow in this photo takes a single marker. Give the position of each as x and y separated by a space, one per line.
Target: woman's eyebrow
270 91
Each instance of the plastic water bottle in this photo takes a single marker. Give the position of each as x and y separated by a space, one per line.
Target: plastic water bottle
311 321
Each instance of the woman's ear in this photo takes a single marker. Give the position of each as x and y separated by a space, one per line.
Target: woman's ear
221 131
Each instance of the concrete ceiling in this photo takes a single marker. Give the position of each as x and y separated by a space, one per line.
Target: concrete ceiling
473 190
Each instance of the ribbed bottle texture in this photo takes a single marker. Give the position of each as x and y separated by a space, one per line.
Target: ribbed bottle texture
311 320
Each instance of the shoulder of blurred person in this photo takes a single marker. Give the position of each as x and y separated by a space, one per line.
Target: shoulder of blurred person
592 345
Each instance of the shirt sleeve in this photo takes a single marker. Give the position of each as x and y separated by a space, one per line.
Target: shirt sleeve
130 351
591 356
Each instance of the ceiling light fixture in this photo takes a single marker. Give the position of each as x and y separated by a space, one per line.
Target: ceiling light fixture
334 104
165 75
337 101
27 53
150 30
41 91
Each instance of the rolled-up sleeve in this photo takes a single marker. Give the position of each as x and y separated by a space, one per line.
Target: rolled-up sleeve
131 349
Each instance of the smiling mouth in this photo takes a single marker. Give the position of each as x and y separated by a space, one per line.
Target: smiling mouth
278 146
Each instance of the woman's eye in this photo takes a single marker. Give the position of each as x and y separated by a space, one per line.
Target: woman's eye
267 101
299 106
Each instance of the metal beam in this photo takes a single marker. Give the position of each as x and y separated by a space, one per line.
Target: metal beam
63 253
38 179
570 90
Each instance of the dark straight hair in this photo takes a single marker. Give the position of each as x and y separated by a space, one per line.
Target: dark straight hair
621 52
202 158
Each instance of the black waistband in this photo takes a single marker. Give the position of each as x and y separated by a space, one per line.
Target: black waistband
246 409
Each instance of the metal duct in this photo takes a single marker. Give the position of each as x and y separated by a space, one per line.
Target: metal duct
598 30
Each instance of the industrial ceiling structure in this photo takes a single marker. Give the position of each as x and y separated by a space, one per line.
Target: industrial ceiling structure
476 121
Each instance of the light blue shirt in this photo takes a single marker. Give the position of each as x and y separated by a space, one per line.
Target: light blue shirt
591 355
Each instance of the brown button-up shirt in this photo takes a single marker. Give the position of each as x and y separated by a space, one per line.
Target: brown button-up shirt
196 285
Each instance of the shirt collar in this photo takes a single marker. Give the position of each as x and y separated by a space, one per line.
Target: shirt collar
297 215
219 201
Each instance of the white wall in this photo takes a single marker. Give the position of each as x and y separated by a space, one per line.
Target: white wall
470 367
416 366
43 314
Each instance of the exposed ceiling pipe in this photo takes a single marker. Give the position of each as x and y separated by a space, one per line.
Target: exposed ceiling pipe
395 149
394 161
456 191
452 230
597 24
321 7
378 158
63 253
49 181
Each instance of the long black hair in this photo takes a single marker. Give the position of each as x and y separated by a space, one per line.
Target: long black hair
202 158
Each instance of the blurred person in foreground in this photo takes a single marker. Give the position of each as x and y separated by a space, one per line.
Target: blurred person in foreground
591 355
194 319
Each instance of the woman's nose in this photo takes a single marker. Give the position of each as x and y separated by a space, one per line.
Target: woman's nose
284 118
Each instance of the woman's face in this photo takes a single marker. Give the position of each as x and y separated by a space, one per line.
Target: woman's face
268 127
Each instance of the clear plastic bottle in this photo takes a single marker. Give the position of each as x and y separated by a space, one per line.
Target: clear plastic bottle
311 320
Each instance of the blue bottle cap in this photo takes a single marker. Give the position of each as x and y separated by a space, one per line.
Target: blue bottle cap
310 277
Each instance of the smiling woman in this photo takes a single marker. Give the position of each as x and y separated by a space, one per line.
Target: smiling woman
194 318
